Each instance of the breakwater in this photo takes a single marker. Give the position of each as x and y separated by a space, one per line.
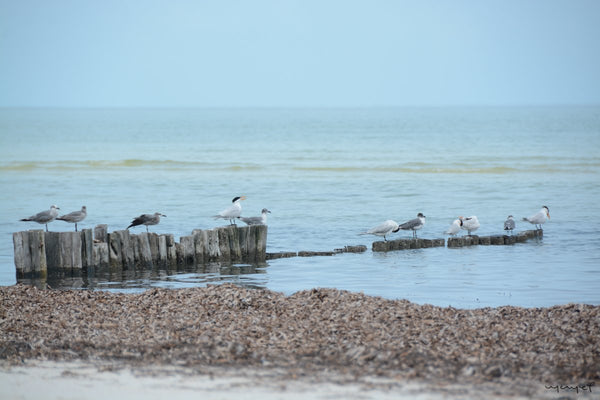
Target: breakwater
495 240
37 252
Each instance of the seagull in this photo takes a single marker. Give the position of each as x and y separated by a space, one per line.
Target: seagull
384 229
262 220
414 224
509 224
44 217
74 217
454 228
539 218
147 219
234 211
470 224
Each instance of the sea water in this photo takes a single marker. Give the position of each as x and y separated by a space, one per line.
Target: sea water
327 175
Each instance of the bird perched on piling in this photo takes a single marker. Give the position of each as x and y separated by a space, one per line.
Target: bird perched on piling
44 217
234 211
539 218
454 228
414 224
147 219
74 217
509 224
385 228
469 224
262 220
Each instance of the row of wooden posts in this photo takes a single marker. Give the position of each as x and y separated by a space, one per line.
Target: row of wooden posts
38 252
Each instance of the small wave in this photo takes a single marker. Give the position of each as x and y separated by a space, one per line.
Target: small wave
99 164
453 169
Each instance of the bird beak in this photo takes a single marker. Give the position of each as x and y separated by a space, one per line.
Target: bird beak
243 198
548 214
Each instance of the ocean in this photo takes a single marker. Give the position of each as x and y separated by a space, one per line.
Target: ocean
327 175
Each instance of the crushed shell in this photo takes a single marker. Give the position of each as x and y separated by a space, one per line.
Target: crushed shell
312 330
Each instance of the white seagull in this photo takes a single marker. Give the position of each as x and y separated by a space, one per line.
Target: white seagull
74 217
383 229
539 218
44 217
147 219
469 224
234 211
454 228
262 220
509 224
414 224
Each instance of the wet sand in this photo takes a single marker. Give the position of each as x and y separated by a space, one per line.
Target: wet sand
225 340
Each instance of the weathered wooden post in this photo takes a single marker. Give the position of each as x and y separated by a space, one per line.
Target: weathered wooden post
115 250
171 249
101 233
87 249
200 245
223 240
214 252
30 254
485 240
455 242
497 240
145 254
162 250
188 250
261 243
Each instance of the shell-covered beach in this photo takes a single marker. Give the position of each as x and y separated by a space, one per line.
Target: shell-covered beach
303 334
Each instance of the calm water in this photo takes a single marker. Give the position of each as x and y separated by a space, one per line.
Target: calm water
326 175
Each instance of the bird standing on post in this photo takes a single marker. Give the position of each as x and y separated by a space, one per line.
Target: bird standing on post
539 218
74 217
414 224
509 224
44 217
469 224
383 229
262 220
147 219
234 211
454 228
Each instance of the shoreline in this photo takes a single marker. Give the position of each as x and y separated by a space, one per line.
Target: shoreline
319 337
101 380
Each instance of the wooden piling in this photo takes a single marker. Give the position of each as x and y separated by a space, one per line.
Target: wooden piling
405 244
145 253
30 254
87 248
187 250
101 233
223 243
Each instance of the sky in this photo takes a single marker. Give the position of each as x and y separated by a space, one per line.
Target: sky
305 53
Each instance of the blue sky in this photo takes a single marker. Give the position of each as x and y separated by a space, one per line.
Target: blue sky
298 53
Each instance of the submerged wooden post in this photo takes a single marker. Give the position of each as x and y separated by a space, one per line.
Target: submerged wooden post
405 244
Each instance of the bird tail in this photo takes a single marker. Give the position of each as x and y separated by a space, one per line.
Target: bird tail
525 219
25 219
217 216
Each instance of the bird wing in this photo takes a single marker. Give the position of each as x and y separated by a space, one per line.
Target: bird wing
410 224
